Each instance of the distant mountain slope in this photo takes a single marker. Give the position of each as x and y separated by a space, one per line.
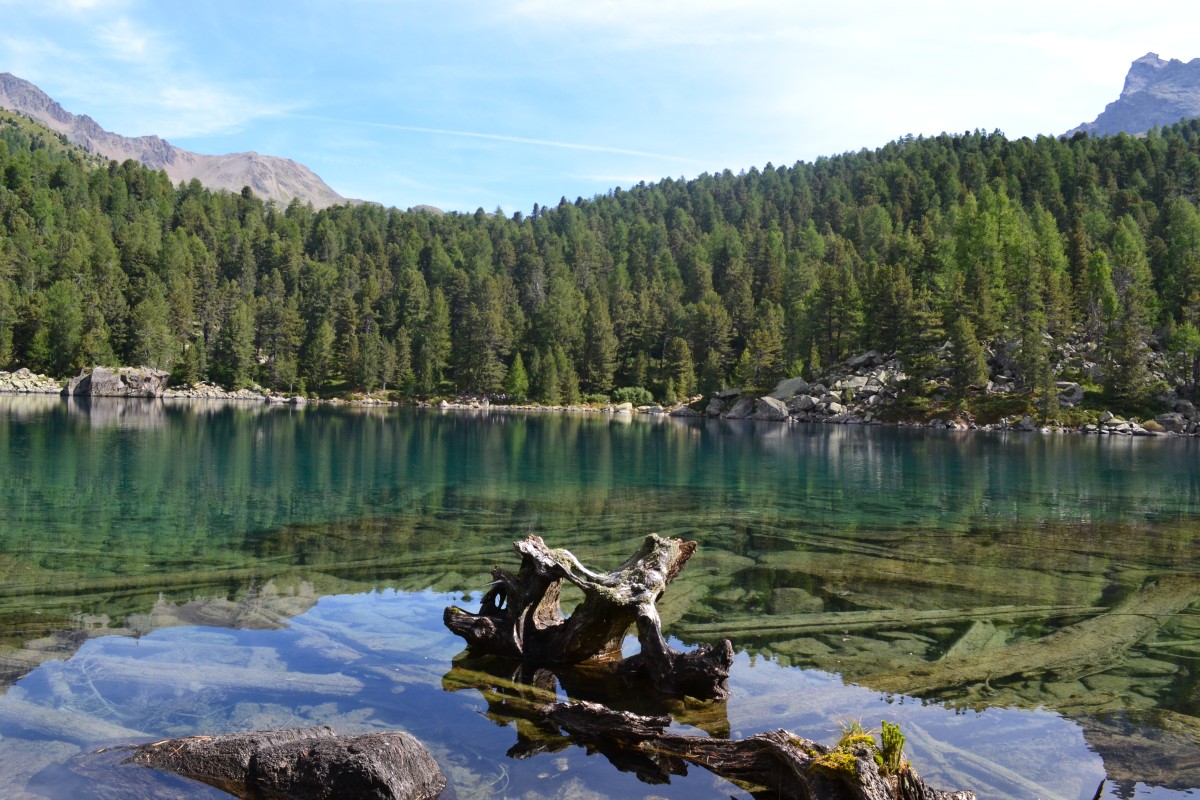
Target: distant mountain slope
270 177
1156 93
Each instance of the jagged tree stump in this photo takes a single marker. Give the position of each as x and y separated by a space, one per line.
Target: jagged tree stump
520 617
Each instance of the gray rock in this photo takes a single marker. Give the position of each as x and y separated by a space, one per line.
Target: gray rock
685 411
741 409
835 408
802 402
770 408
1069 393
728 394
867 359
1106 417
714 407
789 388
1172 421
855 382
1156 93
623 408
124 382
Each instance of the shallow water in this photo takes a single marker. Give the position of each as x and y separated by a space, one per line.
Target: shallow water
175 568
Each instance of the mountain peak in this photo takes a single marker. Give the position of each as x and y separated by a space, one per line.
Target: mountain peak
1157 92
270 177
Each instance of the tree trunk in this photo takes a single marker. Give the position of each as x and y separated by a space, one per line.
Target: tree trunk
775 764
520 618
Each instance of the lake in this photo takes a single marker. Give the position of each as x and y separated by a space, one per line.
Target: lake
1025 606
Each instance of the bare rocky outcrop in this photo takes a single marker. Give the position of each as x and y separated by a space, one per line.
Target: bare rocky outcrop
1157 92
23 381
123 382
269 177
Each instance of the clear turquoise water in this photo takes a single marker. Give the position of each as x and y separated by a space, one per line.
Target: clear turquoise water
174 568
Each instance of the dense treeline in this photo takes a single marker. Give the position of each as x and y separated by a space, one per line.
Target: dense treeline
1004 249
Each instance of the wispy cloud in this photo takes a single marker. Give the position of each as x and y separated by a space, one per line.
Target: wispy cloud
123 40
497 137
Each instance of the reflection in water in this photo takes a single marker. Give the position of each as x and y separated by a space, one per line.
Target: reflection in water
827 554
382 661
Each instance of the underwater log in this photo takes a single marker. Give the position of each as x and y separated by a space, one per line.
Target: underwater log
790 767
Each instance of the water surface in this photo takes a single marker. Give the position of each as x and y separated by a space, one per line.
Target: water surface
169 568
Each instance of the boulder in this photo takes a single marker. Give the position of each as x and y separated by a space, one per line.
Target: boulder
788 388
684 411
1069 393
867 359
1172 421
623 408
835 408
714 408
801 403
728 394
124 382
313 763
770 408
741 409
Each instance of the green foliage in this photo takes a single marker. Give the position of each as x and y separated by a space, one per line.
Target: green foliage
632 394
891 748
516 383
723 279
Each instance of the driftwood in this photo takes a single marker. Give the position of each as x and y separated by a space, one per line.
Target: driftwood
520 618
300 764
777 764
1082 649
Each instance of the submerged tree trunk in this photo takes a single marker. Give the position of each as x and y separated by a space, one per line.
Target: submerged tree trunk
520 617
775 764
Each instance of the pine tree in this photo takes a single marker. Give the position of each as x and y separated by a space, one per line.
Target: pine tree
681 371
599 346
1126 346
967 357
318 355
232 361
516 383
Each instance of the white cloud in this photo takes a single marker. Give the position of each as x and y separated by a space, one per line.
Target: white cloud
124 41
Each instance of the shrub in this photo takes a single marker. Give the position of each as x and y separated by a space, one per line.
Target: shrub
633 394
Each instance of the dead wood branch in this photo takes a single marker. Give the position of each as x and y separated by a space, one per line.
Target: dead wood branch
520 618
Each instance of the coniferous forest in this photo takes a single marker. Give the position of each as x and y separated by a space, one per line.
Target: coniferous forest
1061 259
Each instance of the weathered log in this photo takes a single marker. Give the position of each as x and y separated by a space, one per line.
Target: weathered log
300 764
520 618
777 764
1085 648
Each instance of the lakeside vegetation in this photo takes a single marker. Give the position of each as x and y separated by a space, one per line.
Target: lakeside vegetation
967 256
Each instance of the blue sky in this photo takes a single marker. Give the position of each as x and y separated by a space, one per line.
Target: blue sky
507 103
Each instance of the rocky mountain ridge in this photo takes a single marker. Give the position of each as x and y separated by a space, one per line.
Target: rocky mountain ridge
269 177
1157 92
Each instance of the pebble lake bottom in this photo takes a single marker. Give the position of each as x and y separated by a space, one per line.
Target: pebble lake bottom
169 569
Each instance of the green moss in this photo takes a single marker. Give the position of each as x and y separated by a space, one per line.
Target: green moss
837 762
848 740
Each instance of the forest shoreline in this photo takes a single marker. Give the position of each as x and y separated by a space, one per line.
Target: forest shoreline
760 409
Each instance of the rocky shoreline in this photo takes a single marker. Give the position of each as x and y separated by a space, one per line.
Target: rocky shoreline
855 393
